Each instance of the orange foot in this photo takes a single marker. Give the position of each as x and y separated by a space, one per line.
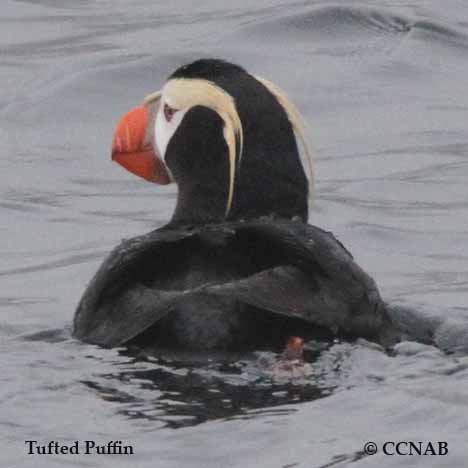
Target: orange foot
294 349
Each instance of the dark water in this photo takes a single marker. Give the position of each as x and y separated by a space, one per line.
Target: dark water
383 85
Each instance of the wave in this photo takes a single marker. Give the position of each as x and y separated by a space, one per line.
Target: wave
449 334
352 21
53 264
340 19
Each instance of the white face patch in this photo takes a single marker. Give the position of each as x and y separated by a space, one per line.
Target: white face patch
182 94
164 130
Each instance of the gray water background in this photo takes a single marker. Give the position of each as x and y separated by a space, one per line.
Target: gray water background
383 86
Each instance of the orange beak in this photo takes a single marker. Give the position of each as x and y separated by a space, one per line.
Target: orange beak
131 151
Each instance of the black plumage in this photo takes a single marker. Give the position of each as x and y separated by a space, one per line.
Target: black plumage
207 281
286 268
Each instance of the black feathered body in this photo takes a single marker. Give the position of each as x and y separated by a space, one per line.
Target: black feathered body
231 275
220 285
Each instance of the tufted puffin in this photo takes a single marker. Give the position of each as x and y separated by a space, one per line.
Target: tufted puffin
237 265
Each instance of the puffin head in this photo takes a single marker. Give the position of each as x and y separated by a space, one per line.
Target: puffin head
225 137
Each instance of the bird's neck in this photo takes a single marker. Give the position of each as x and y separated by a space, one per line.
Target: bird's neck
200 204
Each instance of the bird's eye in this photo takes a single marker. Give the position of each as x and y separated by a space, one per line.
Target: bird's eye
169 112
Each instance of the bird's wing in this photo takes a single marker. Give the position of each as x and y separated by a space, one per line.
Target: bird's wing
315 278
116 305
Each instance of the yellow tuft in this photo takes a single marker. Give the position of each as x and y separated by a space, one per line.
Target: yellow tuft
153 97
184 93
296 121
